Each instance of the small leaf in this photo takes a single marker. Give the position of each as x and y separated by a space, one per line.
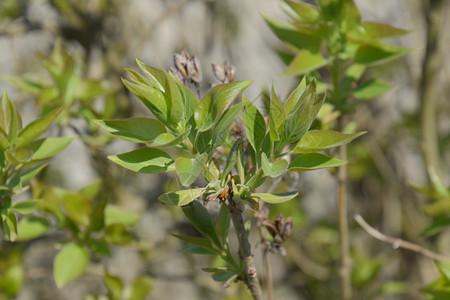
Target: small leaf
275 198
372 54
117 215
182 197
36 128
10 225
318 140
273 169
305 62
372 31
145 160
49 147
70 263
31 227
313 161
371 88
277 115
213 104
139 130
232 158
25 207
141 287
223 223
167 139
223 126
305 12
254 125
437 226
114 285
203 242
195 249
201 219
31 173
189 169
224 276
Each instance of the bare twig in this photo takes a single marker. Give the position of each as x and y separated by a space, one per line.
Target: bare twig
251 278
399 243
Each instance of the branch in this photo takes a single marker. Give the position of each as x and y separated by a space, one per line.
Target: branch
399 243
251 278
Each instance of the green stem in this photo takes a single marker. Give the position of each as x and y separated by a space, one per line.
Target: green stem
431 63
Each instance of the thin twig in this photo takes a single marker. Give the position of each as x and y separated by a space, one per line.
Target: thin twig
399 243
251 277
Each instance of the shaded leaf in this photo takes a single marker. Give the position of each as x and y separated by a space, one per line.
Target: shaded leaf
372 54
305 62
223 127
277 115
371 88
273 169
195 249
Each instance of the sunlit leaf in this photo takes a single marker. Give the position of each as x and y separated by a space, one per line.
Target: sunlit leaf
181 197
145 160
141 287
313 161
48 147
189 169
274 169
31 227
70 263
117 215
25 207
254 125
305 62
139 130
275 198
372 54
223 126
318 140
371 88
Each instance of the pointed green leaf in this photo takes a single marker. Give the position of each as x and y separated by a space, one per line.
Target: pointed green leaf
141 287
275 198
10 225
296 95
156 76
292 36
25 207
139 130
213 104
273 169
305 12
203 242
223 127
31 173
318 140
70 263
254 125
168 140
373 54
189 169
231 159
313 161
31 227
117 215
195 249
224 276
277 115
223 223
201 219
371 88
36 128
145 160
182 197
114 285
49 147
371 31
305 62
439 224
10 122
77 207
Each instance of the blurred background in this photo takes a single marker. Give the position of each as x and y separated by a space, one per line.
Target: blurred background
106 36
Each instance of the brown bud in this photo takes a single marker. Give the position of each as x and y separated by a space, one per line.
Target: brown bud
193 70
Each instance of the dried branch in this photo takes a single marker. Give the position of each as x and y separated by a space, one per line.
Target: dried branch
399 243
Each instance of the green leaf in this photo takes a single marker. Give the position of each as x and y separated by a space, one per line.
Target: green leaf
10 122
296 96
203 242
182 197
275 198
117 215
292 36
201 219
224 275
48 147
254 125
25 207
232 158
36 128
223 126
372 54
273 169
167 139
114 285
372 31
139 130
10 224
31 227
141 287
437 226
305 62
371 88
77 207
195 249
304 11
31 173
223 223
189 169
70 263
277 115
213 104
318 140
145 160
313 161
